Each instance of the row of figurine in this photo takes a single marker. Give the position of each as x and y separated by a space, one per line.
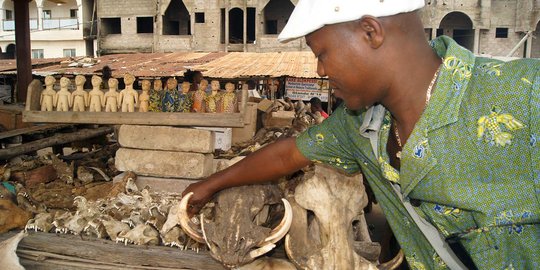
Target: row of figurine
153 99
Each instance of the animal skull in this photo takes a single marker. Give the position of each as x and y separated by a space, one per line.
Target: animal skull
142 234
41 222
232 237
336 200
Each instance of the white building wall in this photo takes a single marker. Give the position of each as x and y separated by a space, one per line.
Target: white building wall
55 48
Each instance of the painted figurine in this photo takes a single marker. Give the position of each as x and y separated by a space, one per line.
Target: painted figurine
79 96
128 97
47 95
185 100
96 95
229 100
156 94
111 97
169 103
144 97
62 98
199 96
212 100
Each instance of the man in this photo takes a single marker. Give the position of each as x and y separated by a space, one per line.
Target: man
455 135
316 107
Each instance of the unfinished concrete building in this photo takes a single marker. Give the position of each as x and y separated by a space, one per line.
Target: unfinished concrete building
483 26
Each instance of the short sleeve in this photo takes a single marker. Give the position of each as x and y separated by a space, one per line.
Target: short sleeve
328 143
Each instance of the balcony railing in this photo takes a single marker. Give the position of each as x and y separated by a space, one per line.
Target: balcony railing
60 23
48 24
9 25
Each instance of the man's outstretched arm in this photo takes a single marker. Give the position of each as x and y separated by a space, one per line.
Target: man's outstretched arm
269 163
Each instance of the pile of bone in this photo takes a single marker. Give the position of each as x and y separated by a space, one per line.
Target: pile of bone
135 217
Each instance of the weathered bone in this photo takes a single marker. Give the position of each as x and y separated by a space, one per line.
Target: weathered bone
142 234
41 222
184 220
336 200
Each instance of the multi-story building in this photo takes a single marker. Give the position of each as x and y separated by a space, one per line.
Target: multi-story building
58 28
483 26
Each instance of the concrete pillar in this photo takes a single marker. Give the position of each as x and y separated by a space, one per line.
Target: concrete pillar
244 28
528 52
476 44
433 34
22 41
40 17
227 23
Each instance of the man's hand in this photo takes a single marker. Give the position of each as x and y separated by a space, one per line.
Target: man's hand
203 192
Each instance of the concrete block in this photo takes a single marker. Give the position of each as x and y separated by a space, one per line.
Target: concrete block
264 105
164 163
158 184
278 119
223 137
166 138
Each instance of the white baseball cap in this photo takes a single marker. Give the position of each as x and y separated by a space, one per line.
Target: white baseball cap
310 15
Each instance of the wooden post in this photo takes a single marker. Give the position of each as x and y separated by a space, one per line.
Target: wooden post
22 41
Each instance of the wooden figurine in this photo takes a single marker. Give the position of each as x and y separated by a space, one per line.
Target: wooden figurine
79 96
185 100
229 100
156 94
169 103
144 97
48 94
199 96
62 98
128 97
111 96
212 101
96 95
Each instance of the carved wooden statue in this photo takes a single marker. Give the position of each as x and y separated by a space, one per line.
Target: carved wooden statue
47 95
212 101
156 95
185 100
96 95
128 97
144 97
79 96
62 98
169 103
199 96
229 100
111 97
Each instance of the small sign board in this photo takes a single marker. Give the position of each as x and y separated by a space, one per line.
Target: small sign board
305 89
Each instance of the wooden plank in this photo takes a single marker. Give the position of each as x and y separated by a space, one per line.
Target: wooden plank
56 139
33 129
54 251
138 118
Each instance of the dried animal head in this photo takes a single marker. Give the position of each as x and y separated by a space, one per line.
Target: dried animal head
114 227
175 237
336 200
234 237
41 222
60 220
142 234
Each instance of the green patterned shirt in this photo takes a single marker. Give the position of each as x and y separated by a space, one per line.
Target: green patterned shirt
472 160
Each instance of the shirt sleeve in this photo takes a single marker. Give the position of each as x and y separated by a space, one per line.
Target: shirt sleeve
328 143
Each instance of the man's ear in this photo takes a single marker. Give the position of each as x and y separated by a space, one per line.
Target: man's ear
373 31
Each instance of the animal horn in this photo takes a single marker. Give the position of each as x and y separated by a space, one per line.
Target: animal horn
281 230
393 263
185 222
276 234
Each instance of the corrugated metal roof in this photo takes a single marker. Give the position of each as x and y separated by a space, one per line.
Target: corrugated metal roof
272 64
234 65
